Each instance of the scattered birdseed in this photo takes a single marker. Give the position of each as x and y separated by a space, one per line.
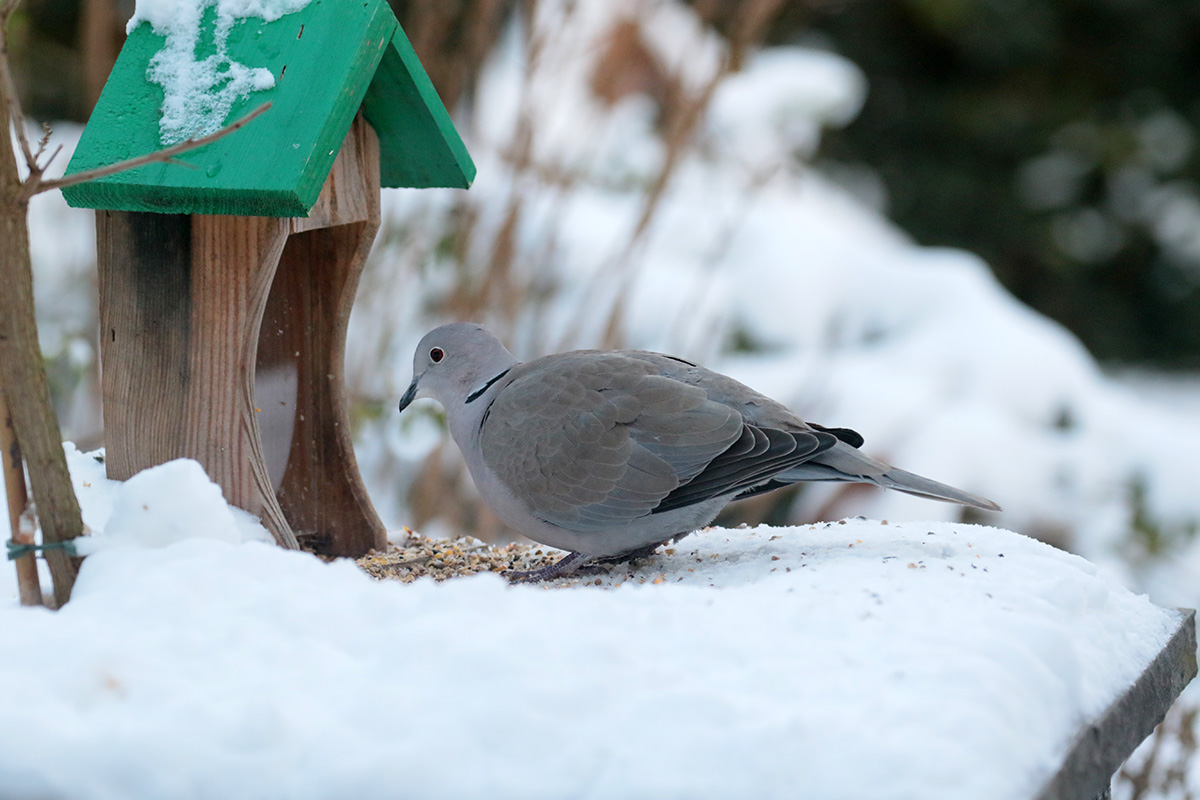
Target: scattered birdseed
417 556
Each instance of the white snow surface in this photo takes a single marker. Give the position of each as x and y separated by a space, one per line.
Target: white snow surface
157 507
199 93
850 659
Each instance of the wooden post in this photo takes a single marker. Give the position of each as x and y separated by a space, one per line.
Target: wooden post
304 335
194 307
145 273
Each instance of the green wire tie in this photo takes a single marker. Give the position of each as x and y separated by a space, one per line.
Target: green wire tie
15 550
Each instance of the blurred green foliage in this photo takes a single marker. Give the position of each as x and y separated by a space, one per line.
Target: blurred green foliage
1153 537
1056 138
45 43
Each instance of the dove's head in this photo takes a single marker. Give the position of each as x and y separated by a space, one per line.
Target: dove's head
456 363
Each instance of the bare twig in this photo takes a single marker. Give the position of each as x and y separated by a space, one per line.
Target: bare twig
43 142
8 86
33 186
50 160
682 123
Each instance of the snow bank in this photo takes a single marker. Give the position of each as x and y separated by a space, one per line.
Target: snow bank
852 659
156 507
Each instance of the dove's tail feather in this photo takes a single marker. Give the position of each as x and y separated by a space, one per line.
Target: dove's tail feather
909 483
846 463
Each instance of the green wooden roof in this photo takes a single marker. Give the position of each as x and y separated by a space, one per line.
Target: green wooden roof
328 59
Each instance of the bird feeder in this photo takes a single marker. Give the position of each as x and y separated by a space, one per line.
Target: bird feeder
227 275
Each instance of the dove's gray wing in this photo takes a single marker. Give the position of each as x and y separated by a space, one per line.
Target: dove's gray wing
760 454
843 461
590 441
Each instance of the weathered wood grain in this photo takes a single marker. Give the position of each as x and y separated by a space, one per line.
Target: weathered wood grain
320 492
194 307
351 191
233 263
181 299
145 292
304 333
1104 743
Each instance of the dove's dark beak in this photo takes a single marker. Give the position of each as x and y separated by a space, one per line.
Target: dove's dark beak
410 395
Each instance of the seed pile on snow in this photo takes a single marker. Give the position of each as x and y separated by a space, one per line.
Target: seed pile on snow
415 556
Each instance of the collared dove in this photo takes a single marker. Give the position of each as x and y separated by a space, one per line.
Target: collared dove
608 454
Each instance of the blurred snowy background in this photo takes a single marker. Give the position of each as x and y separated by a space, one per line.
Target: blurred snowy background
658 174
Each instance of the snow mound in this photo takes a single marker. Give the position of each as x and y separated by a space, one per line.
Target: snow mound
169 503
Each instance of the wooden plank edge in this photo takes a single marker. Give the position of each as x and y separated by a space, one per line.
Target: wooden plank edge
372 47
184 200
441 117
158 189
1104 745
437 156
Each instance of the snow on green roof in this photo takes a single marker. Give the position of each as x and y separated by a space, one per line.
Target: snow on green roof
328 59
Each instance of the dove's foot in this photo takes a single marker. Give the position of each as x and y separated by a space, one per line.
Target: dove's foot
578 564
639 553
571 564
632 555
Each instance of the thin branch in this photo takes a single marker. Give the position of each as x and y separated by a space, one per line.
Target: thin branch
53 156
8 87
42 143
31 188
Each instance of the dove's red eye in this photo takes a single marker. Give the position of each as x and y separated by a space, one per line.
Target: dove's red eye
437 354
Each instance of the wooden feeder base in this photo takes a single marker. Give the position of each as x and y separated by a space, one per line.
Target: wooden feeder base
204 320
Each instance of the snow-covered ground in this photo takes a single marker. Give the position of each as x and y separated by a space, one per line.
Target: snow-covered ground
212 669
851 659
